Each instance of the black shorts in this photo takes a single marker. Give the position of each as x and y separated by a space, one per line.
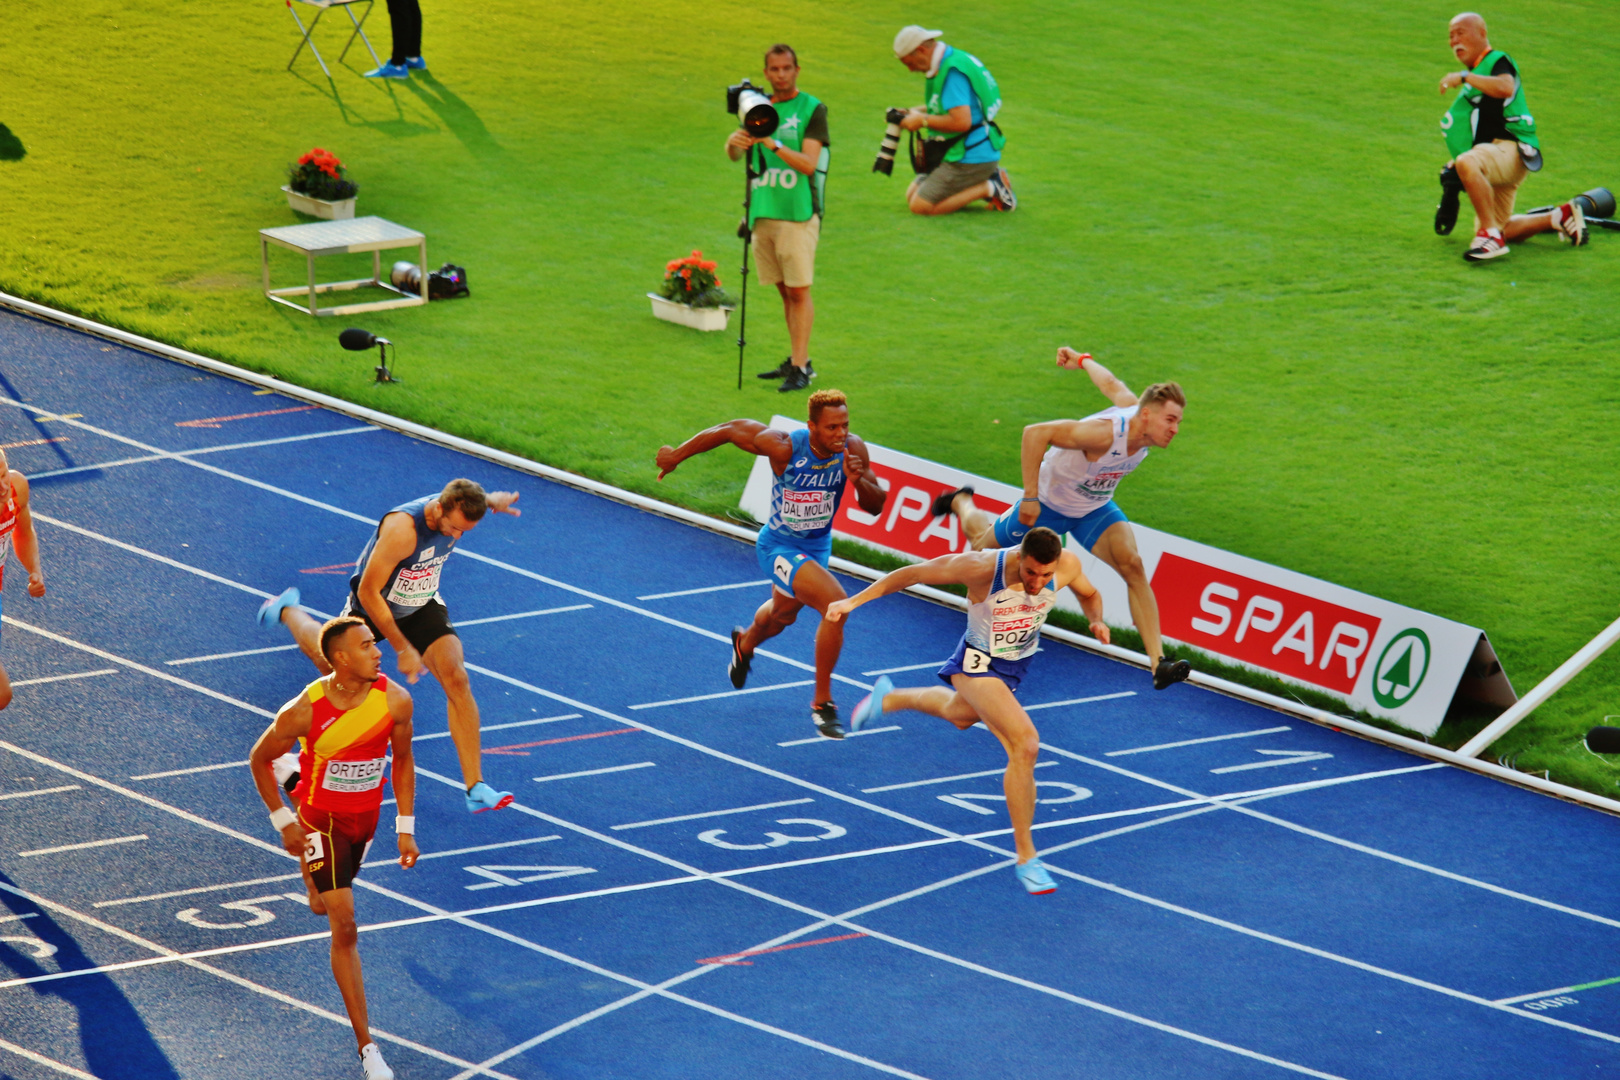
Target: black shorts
335 844
430 623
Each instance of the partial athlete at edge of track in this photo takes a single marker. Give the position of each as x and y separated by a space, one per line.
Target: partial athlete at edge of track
1071 469
1010 593
395 591
17 531
348 720
810 471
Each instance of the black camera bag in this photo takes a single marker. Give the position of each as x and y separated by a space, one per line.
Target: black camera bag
447 282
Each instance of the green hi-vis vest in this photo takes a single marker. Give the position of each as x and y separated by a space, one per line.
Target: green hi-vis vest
781 191
984 88
1457 125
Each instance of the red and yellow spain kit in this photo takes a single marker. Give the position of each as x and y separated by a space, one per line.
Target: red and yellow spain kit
8 523
341 766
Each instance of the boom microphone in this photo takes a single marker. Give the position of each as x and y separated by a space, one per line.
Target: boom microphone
356 340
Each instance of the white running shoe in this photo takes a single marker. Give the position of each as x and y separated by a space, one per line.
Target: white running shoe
373 1065
1486 245
284 767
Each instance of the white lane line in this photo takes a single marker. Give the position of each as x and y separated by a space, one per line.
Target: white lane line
80 847
708 589
1548 993
1278 757
19 918
165 953
847 735
41 1059
595 772
142 668
39 791
908 667
64 678
193 892
503 727
164 456
1196 742
189 772
1080 700
480 847
945 779
710 814
522 615
230 655
724 694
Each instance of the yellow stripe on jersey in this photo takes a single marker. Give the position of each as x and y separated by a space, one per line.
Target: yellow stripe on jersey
360 724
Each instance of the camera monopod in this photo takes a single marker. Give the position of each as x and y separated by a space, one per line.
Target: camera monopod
746 234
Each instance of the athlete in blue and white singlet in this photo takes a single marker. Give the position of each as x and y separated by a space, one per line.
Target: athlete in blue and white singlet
1010 593
810 470
395 589
1071 471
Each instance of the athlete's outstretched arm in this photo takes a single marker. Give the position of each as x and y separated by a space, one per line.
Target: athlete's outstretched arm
1091 436
501 502
749 435
23 537
396 539
858 467
1090 598
290 724
964 569
1106 381
404 768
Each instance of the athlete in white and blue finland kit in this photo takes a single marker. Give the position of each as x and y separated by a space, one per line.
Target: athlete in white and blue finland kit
811 470
1071 469
1010 593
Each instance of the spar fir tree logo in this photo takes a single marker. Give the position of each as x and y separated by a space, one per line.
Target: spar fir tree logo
1401 668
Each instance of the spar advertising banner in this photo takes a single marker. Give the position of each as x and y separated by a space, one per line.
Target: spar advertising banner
1393 661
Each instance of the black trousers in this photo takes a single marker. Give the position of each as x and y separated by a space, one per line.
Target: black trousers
406 18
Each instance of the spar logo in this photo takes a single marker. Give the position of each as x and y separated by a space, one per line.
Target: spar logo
905 523
1298 636
1401 667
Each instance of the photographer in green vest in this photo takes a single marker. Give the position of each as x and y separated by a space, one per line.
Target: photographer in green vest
786 205
961 147
1492 139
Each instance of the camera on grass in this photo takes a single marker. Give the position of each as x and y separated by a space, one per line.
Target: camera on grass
891 142
752 108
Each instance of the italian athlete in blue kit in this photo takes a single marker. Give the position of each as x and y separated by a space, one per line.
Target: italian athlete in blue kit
1071 469
812 468
1010 592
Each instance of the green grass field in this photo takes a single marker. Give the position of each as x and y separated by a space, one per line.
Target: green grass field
1235 197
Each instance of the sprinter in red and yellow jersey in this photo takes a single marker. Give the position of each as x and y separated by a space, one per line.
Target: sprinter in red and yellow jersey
348 720
17 531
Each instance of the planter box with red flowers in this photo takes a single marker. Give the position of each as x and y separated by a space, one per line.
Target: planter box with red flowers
691 295
315 186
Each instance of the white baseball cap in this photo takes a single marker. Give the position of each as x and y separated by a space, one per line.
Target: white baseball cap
909 37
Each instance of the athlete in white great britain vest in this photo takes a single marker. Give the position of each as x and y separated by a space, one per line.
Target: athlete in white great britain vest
1010 593
395 590
349 722
17 531
1071 469
811 468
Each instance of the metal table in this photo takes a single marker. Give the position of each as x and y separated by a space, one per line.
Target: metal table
371 234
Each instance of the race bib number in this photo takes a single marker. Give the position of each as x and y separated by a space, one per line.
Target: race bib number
807 511
415 586
975 662
314 849
343 777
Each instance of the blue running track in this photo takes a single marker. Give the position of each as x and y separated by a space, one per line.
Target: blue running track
691 883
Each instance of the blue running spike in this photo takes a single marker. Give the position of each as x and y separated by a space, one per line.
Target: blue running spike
270 610
870 707
1034 877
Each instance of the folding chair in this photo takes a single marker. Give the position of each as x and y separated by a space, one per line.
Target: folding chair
321 6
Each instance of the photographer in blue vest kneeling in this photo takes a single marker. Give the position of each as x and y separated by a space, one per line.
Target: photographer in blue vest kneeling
786 205
958 159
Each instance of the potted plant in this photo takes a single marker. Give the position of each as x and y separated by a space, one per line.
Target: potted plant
315 186
691 295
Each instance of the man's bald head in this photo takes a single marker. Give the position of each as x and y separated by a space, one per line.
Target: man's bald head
1468 37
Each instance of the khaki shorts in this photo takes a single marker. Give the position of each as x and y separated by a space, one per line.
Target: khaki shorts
1503 169
952 177
786 251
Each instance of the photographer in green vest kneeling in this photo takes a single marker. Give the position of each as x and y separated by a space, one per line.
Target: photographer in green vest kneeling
1492 138
786 205
961 145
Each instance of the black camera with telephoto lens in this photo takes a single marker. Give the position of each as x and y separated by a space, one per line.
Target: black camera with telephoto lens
753 109
891 142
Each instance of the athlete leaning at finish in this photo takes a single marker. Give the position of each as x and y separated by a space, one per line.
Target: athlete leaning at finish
348 720
1010 592
1071 468
395 590
811 468
17 530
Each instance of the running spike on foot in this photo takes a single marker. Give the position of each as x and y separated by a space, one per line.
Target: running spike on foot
482 797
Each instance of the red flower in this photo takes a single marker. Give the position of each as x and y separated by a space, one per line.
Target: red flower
709 266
